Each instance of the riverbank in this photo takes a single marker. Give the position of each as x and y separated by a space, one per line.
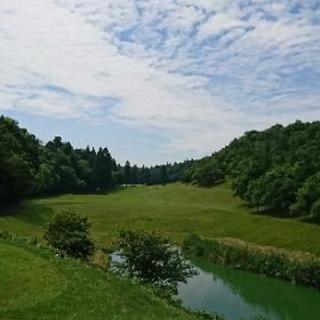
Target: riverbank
239 294
37 285
299 268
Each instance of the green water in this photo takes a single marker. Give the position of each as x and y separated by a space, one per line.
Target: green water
239 295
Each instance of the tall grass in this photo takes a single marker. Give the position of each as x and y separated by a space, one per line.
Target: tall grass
305 271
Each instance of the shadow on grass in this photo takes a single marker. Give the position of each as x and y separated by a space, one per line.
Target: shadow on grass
313 220
12 209
275 213
35 214
27 212
287 215
211 185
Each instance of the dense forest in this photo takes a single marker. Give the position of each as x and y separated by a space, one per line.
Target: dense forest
276 170
29 168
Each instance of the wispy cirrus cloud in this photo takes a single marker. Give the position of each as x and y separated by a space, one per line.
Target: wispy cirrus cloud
197 72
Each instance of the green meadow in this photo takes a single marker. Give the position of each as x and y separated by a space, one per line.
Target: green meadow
175 209
36 285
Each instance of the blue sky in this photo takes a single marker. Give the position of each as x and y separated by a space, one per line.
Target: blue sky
158 80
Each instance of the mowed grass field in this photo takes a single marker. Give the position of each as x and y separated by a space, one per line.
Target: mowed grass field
37 286
174 209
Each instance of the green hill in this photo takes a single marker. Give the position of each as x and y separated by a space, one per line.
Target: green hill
36 285
276 170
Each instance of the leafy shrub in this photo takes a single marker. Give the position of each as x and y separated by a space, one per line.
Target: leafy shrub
4 234
307 195
149 257
208 174
274 264
68 232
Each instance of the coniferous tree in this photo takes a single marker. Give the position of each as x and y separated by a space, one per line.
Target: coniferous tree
102 171
127 173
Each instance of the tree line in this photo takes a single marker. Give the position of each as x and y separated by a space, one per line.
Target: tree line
30 168
276 170
158 174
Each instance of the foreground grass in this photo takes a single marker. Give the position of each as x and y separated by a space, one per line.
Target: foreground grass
175 209
35 285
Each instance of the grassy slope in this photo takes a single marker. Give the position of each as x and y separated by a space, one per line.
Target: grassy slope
175 209
35 285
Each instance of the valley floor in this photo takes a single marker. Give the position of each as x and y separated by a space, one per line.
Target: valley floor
36 285
174 209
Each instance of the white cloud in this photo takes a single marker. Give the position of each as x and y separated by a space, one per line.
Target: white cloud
217 23
145 64
48 45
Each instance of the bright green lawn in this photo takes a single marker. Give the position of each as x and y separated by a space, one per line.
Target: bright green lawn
36 286
176 209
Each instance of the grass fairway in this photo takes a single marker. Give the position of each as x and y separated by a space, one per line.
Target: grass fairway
175 209
35 285
24 275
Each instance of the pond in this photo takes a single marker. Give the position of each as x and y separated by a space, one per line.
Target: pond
237 295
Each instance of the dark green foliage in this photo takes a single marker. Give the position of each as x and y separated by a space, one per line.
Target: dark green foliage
68 232
307 196
273 170
102 171
206 173
58 172
305 272
276 189
134 174
151 258
64 169
29 168
269 167
159 174
19 160
127 173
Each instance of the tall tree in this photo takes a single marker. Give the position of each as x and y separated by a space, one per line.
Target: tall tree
127 172
19 160
103 170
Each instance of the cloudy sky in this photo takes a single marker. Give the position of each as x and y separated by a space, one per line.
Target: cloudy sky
158 80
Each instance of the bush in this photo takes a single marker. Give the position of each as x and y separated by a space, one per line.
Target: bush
149 257
307 195
208 174
274 264
68 232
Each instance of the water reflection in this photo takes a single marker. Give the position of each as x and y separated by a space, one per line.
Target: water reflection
238 294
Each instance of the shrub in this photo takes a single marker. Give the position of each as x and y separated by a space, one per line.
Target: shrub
274 264
68 232
307 195
149 257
